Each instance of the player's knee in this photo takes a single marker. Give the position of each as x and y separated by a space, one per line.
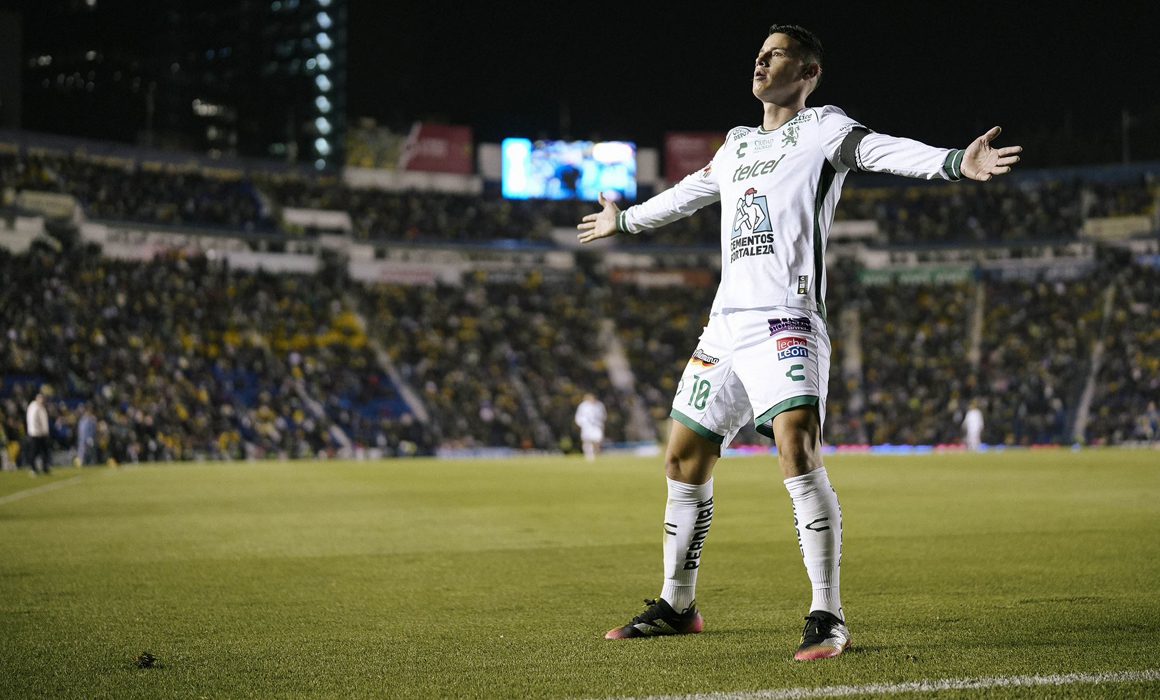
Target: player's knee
689 461
798 437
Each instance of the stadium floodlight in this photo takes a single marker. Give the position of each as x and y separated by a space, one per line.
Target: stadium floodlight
322 104
323 83
323 41
323 125
324 21
311 64
320 164
322 146
323 61
324 3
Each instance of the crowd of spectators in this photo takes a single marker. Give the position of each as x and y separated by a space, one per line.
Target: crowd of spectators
915 374
181 359
499 363
906 213
148 193
968 212
1036 353
1125 403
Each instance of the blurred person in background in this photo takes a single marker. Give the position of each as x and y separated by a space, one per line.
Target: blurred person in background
973 427
86 438
39 447
590 416
6 463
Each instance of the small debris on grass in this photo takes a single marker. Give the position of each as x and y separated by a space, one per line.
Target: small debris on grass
147 660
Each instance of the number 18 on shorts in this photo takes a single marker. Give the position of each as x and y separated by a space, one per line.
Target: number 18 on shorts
751 366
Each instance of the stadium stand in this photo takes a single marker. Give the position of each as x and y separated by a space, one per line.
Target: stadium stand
1128 389
168 192
185 354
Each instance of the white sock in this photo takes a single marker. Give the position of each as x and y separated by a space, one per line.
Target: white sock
818 519
688 514
589 451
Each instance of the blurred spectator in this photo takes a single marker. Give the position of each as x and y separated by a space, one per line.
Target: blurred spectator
86 438
590 417
973 427
39 448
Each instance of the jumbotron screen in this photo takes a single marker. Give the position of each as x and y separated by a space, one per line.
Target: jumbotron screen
568 169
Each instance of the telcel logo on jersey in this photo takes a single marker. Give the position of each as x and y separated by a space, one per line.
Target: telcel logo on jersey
792 346
761 167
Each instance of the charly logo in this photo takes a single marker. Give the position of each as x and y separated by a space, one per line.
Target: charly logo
751 215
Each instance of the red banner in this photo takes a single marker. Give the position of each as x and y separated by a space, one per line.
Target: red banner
436 148
689 151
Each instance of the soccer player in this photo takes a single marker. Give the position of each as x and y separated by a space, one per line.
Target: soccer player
590 416
765 353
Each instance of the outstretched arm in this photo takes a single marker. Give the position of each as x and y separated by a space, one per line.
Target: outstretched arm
849 145
697 190
981 162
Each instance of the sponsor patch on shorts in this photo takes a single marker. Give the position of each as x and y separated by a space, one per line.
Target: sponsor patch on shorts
700 357
792 346
780 325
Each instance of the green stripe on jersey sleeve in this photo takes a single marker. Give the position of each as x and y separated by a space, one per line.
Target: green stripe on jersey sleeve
953 165
622 222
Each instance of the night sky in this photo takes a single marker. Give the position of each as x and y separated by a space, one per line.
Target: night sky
1049 73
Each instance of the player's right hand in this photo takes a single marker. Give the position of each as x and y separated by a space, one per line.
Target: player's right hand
601 224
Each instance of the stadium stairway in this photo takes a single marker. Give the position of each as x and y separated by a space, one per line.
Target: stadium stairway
1084 406
975 333
540 427
639 427
850 330
406 391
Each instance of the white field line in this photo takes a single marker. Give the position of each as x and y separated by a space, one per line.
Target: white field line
928 686
39 489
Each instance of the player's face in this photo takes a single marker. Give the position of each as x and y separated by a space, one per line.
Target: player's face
779 69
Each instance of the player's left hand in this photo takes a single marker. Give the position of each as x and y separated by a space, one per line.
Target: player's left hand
981 162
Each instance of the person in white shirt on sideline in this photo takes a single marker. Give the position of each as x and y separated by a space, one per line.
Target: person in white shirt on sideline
973 427
38 435
590 416
765 354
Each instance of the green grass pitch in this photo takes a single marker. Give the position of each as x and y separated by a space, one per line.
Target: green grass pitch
498 578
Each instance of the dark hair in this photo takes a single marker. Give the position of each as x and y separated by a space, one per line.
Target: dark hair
809 41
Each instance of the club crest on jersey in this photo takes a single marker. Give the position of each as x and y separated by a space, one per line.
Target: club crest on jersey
700 357
792 346
751 214
789 136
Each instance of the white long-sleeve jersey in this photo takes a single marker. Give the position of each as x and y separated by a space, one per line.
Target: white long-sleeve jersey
778 191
